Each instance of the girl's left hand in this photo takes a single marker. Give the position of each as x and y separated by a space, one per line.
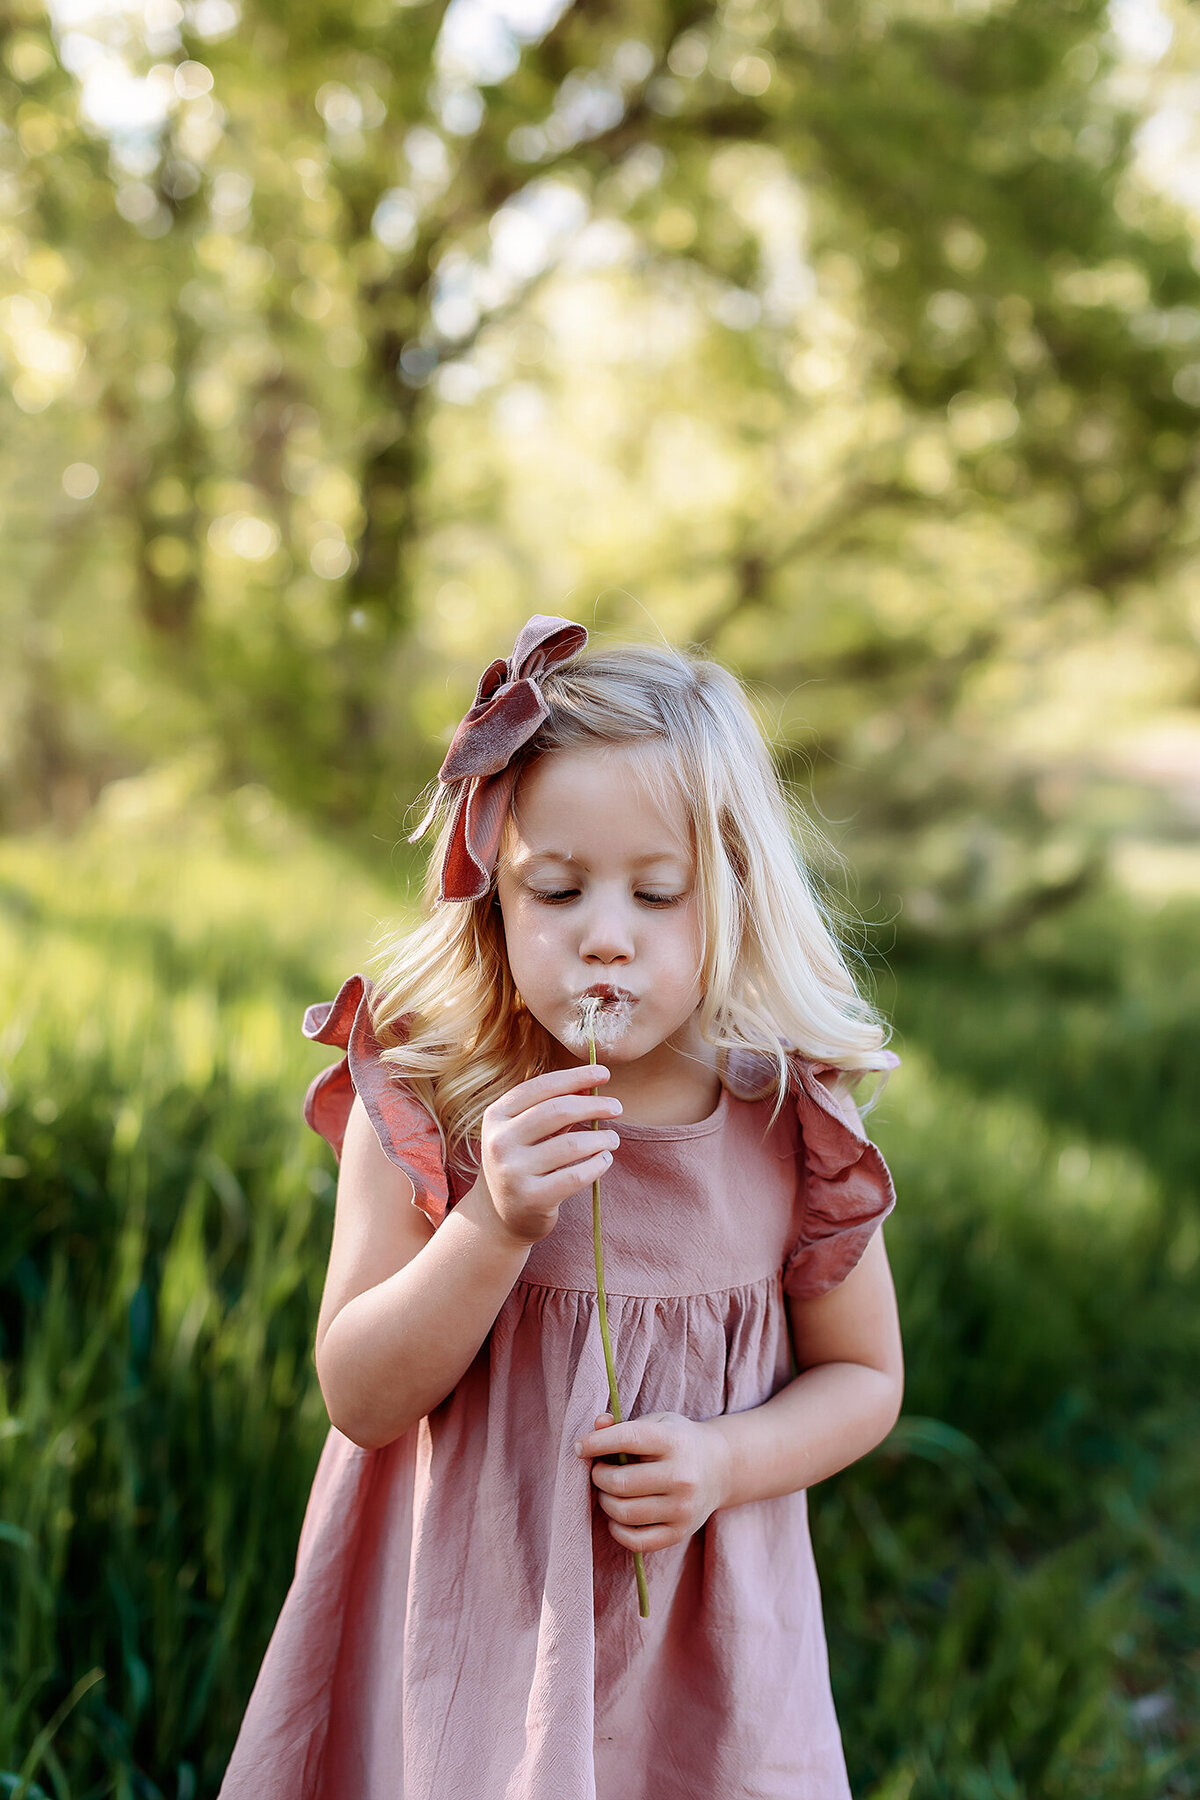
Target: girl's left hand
673 1487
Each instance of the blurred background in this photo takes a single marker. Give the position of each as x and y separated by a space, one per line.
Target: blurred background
858 344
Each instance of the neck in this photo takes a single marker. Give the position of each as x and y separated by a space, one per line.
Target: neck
683 1096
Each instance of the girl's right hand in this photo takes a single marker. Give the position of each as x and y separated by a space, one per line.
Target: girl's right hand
537 1148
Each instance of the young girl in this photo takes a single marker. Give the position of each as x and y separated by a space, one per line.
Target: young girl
464 1623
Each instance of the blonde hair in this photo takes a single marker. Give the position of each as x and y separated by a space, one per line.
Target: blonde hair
774 979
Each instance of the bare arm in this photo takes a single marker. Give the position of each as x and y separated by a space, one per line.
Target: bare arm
406 1308
844 1402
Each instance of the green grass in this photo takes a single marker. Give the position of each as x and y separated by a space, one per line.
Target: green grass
1023 1571
1012 1584
165 1223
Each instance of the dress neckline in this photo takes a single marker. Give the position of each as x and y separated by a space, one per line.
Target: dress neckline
661 1133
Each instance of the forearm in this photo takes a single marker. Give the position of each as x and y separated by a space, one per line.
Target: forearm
394 1352
821 1422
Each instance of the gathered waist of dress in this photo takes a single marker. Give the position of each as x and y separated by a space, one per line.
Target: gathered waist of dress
652 1286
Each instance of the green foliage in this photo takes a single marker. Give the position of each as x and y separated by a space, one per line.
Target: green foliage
856 343
1033 1521
853 342
165 1231
1010 1583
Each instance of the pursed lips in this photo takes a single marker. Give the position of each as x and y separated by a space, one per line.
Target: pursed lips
608 995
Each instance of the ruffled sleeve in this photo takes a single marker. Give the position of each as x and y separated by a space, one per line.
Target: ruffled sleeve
406 1130
848 1190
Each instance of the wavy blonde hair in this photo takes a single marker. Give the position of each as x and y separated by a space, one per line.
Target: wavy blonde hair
774 979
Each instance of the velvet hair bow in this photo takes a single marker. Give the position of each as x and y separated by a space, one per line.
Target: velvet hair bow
508 710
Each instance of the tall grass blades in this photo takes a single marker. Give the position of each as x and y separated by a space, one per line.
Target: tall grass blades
1012 1584
164 1229
1021 1561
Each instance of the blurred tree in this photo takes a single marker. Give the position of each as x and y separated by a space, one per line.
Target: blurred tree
888 273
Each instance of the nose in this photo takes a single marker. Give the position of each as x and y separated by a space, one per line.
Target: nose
606 936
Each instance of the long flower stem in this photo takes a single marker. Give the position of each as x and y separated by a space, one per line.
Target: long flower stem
614 1398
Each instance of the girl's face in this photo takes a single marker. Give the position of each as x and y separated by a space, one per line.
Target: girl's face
597 891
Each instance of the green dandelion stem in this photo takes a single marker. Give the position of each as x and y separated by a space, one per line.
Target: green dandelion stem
614 1398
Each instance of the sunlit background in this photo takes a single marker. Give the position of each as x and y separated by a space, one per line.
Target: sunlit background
856 343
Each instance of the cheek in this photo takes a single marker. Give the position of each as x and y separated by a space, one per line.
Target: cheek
687 956
528 937
697 944
512 934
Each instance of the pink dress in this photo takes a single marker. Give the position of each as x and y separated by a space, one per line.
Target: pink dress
461 1625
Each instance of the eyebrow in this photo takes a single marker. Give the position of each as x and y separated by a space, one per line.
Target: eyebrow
532 857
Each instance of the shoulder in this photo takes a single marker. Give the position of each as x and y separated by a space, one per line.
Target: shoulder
814 1088
406 1130
847 1187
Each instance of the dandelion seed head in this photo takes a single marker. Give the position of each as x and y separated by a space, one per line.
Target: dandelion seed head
600 1018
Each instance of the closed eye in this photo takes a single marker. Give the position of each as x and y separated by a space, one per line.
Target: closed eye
561 896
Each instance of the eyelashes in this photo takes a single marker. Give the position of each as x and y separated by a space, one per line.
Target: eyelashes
564 896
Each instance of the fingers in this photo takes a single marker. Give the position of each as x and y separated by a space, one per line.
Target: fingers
566 1112
636 1437
536 1156
559 1184
554 1084
647 1539
540 1144
661 1496
568 1148
632 1494
632 1481
549 1125
648 1522
654 1509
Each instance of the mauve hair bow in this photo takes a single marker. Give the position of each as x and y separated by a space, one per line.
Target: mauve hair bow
508 710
